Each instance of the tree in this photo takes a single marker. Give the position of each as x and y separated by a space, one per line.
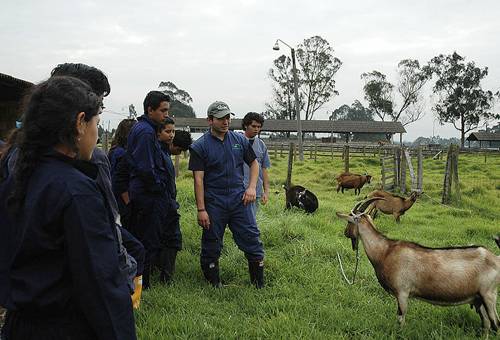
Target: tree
181 100
316 68
354 112
282 105
132 113
380 93
462 101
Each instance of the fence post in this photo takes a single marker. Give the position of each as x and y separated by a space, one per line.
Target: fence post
456 183
346 158
403 171
382 161
420 171
176 165
331 150
315 151
291 153
447 177
281 150
275 147
397 160
310 151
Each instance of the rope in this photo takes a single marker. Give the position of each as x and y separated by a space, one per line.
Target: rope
448 206
355 268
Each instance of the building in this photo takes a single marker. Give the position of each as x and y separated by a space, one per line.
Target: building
12 91
485 139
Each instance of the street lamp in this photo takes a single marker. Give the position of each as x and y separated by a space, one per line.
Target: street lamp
276 47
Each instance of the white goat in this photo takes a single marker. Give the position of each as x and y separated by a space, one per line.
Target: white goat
442 276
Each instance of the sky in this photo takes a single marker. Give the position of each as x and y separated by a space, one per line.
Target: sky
222 50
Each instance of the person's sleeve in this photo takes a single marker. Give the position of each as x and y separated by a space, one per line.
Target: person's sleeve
121 177
143 162
266 162
248 153
99 287
195 161
135 248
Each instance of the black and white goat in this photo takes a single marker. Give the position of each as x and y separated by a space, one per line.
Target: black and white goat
300 197
442 276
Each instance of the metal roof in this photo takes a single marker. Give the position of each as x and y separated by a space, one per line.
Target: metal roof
484 136
319 126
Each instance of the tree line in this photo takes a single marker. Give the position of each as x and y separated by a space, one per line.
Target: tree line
461 100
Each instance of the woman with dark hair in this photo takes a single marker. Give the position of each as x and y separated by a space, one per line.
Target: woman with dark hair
120 178
119 144
59 269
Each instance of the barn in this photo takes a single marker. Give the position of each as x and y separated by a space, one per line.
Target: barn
12 91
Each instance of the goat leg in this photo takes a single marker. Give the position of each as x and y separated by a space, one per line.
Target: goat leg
481 310
490 302
402 307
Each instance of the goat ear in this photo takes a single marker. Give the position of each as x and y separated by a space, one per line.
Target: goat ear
343 216
346 217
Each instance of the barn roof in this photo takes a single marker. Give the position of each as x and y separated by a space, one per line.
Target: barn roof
484 136
319 126
12 89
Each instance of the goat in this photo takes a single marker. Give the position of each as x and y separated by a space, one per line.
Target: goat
391 204
300 197
442 276
347 180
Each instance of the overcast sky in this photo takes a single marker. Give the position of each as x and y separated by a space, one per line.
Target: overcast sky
222 50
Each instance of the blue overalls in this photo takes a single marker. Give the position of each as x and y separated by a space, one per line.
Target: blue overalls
60 258
148 189
171 234
222 163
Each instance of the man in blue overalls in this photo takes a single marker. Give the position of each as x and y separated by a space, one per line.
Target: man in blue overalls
149 178
216 160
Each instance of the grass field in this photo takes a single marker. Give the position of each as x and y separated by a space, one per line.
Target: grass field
305 295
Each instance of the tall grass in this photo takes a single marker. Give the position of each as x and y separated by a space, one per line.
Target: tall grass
305 295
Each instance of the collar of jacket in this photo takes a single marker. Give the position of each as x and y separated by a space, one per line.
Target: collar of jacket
87 168
145 118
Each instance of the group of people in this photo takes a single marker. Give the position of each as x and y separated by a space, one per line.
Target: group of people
82 231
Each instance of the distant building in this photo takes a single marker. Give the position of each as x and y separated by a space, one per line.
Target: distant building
484 139
12 91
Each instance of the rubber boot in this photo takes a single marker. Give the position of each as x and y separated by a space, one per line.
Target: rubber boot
167 264
146 273
256 270
211 273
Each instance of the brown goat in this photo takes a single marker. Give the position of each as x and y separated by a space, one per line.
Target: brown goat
442 276
347 180
391 204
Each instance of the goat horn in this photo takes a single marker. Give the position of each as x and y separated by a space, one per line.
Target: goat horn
355 209
365 204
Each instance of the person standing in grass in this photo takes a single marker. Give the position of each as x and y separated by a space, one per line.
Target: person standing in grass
252 125
171 236
59 255
222 199
150 182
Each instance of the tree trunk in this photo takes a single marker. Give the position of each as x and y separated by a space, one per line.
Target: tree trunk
462 131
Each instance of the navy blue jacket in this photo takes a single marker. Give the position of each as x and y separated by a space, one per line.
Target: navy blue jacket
114 156
61 253
148 165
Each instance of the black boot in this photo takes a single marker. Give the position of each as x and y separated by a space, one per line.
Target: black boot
256 269
145 276
211 273
167 264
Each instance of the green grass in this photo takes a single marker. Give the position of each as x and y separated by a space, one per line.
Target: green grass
305 296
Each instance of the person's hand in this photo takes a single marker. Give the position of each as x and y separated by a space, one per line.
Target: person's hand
248 196
203 219
264 198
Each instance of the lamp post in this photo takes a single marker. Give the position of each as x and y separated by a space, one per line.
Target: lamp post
276 47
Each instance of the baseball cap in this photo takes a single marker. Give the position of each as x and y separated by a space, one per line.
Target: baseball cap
219 109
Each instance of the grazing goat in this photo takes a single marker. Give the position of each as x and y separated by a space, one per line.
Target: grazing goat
442 276
300 197
347 180
391 204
